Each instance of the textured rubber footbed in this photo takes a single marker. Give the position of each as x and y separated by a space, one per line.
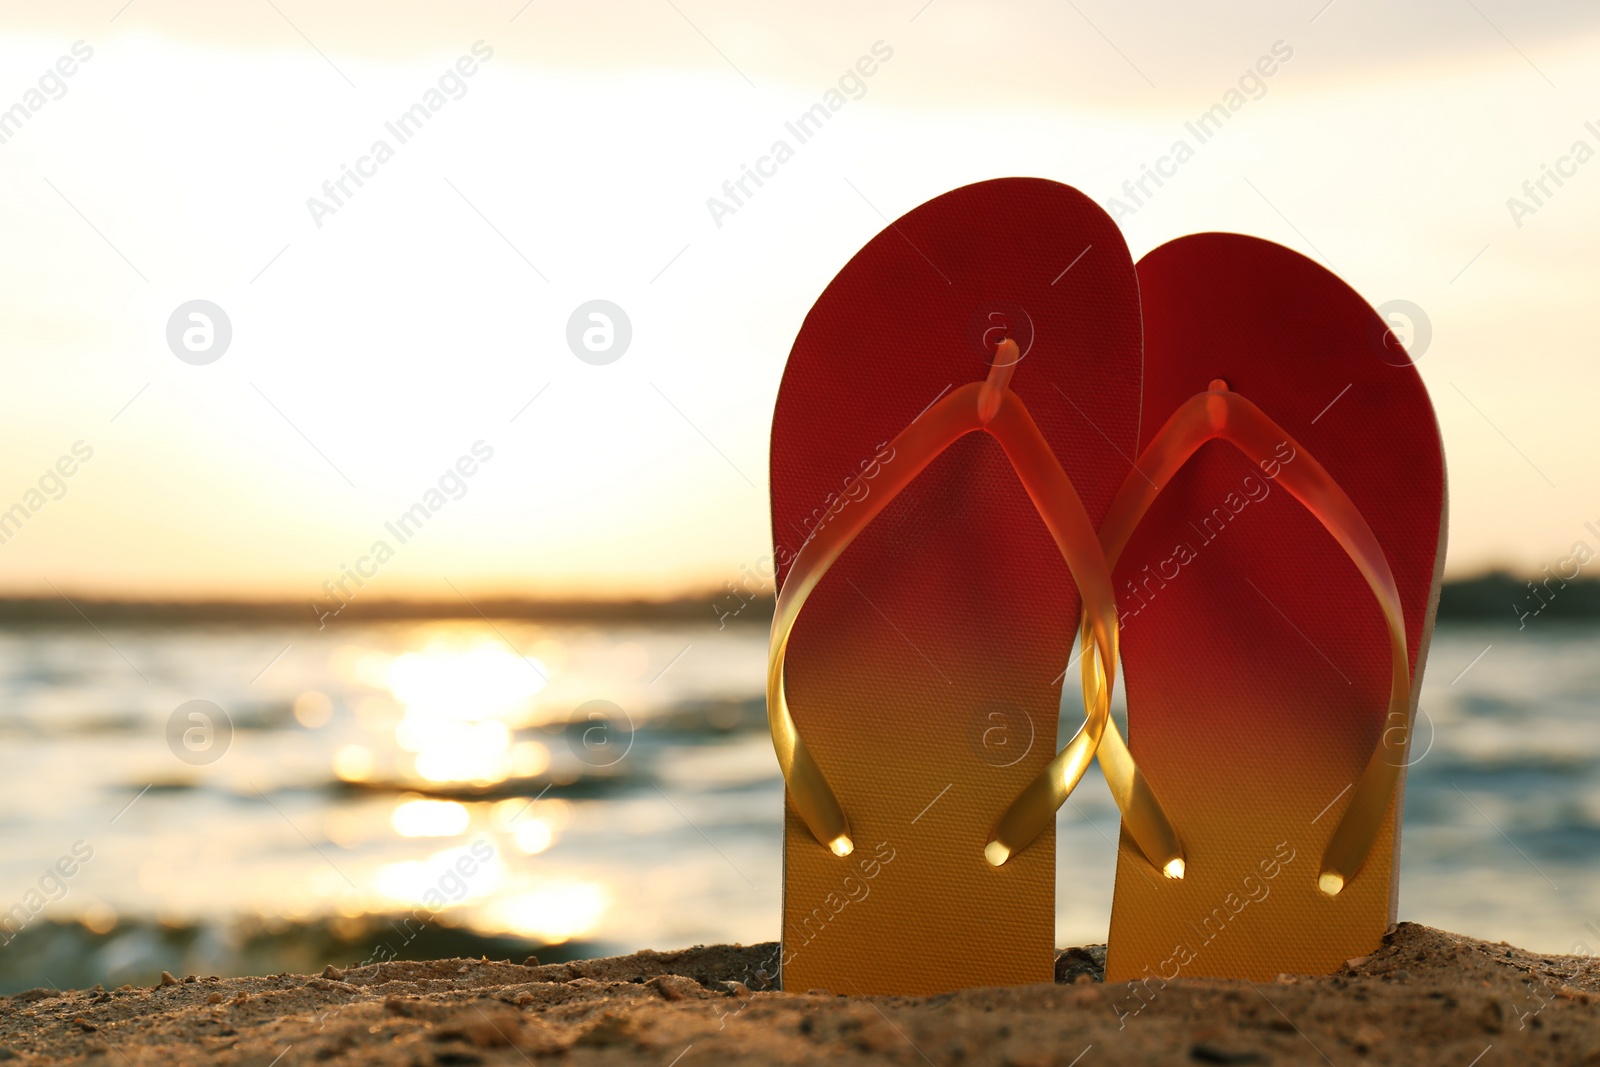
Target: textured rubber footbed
924 672
1255 656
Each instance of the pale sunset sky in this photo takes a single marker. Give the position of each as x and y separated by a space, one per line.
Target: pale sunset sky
374 344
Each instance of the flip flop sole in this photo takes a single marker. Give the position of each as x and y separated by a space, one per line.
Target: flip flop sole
925 670
1256 658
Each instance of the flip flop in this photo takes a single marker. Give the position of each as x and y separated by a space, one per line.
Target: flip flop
1277 552
939 570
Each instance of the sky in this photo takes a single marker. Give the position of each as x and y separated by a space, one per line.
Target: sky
387 341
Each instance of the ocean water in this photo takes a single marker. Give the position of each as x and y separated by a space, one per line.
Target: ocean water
416 788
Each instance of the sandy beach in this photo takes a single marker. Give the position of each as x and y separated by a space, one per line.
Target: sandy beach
1426 996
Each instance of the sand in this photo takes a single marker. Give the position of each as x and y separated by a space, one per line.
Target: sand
1424 997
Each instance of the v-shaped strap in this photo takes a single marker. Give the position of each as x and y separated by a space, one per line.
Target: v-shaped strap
1222 415
992 407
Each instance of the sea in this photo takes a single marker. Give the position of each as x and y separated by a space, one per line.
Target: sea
251 797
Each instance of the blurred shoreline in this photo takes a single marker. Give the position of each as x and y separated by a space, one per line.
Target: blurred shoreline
1494 595
52 611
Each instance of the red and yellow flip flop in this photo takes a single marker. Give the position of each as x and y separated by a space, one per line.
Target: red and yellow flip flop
1276 552
939 568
